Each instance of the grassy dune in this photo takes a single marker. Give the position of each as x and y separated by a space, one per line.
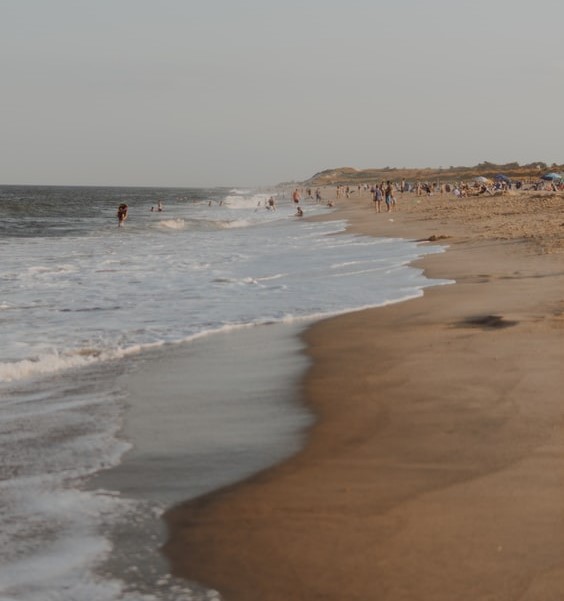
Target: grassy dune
349 175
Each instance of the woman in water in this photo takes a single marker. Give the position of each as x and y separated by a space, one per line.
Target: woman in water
122 214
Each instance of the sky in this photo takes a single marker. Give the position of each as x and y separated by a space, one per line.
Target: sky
257 92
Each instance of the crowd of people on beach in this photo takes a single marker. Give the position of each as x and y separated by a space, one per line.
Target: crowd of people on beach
384 193
479 185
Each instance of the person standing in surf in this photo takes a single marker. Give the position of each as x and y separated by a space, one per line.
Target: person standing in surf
122 214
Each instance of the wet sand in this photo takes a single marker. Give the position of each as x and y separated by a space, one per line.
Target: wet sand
209 413
435 470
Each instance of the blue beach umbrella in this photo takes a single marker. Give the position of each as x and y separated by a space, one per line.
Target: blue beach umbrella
552 176
502 178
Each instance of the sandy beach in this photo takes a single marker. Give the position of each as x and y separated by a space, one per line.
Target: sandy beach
435 468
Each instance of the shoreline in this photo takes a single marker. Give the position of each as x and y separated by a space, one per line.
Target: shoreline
432 471
246 405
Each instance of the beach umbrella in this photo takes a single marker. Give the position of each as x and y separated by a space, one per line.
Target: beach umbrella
482 180
552 176
502 178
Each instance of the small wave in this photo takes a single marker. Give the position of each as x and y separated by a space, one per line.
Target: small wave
276 276
234 224
42 269
46 364
89 309
347 274
246 202
173 224
349 263
55 362
247 280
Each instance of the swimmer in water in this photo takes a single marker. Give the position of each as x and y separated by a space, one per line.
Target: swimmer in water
122 214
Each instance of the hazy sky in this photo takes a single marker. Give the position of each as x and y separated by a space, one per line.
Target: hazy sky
245 92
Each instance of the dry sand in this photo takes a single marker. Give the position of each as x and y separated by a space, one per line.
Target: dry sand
435 471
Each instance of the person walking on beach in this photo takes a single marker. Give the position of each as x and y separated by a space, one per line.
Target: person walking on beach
389 193
122 214
377 198
296 197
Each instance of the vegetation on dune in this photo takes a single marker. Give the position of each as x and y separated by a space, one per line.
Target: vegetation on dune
349 175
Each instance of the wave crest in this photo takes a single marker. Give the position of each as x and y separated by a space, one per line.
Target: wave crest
55 361
172 224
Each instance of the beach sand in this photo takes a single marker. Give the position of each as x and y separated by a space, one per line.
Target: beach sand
435 468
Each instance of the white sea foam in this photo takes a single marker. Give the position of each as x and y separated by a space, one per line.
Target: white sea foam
235 223
246 202
46 364
55 362
275 276
173 224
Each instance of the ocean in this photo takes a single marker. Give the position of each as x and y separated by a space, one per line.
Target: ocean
148 364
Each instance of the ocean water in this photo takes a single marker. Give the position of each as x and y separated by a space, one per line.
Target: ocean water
83 303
